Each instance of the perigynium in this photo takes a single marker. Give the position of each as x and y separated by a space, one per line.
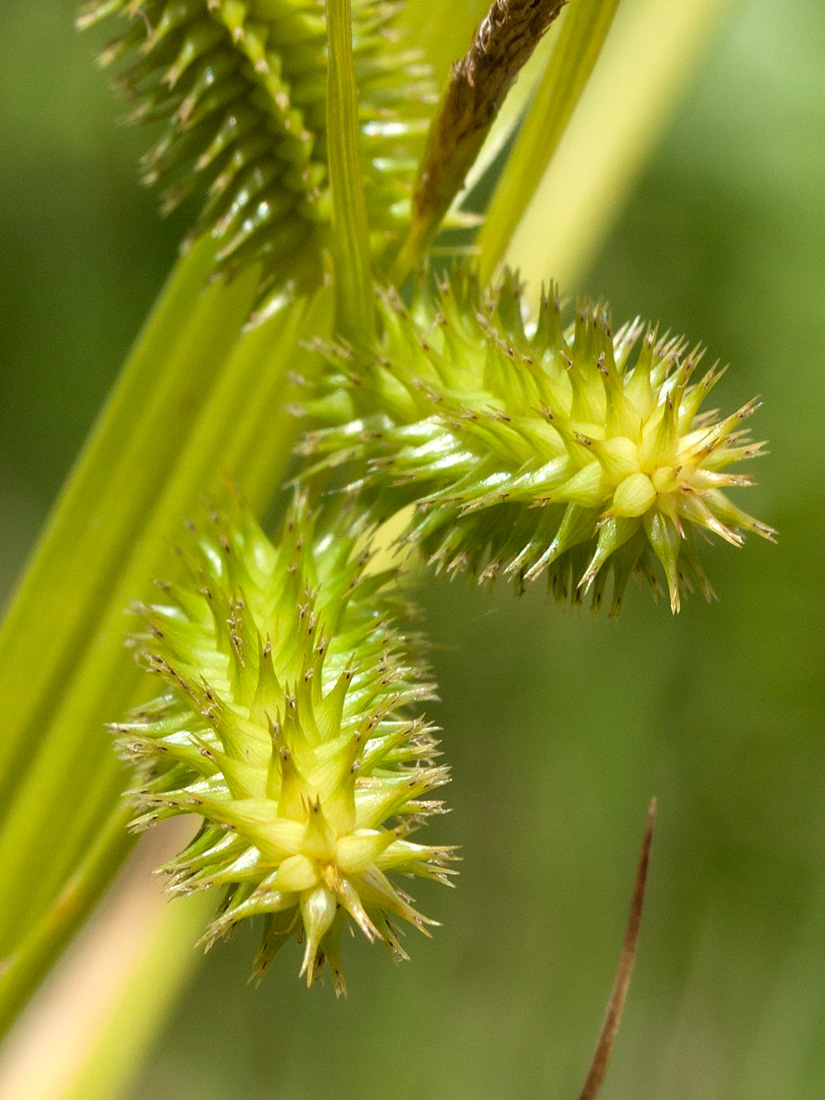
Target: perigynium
531 447
284 723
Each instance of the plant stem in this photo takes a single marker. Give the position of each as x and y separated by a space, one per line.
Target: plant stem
624 970
355 308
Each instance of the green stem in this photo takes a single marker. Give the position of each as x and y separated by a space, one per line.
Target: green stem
351 235
577 48
262 442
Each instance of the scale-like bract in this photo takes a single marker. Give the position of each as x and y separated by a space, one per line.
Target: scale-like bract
284 724
527 449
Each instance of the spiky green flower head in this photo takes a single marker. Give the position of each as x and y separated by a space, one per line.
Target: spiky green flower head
537 448
284 724
241 88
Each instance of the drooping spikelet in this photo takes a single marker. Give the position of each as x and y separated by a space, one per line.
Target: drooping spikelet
284 725
537 448
241 88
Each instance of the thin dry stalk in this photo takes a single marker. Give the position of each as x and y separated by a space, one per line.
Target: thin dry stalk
624 971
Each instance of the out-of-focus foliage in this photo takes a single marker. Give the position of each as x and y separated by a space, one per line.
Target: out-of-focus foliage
558 725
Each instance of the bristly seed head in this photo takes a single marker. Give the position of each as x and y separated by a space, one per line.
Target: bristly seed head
530 449
285 726
241 88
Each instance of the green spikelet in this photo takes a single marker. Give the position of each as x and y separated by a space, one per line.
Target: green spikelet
537 448
241 88
284 725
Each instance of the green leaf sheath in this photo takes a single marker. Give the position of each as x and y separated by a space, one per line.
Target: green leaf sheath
577 49
355 312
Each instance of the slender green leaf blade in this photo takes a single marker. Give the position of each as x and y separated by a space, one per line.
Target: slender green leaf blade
615 127
351 233
99 518
74 782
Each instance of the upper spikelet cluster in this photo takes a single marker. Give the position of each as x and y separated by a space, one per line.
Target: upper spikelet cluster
241 88
533 448
283 724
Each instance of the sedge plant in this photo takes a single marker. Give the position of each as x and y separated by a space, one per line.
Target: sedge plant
317 317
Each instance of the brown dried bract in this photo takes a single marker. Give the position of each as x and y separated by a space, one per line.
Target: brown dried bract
478 84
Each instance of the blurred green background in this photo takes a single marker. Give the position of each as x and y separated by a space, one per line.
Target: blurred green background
559 725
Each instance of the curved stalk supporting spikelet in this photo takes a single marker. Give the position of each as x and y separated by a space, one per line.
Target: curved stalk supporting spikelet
537 448
241 87
283 725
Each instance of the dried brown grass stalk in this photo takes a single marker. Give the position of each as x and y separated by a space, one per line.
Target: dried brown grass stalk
503 43
624 971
